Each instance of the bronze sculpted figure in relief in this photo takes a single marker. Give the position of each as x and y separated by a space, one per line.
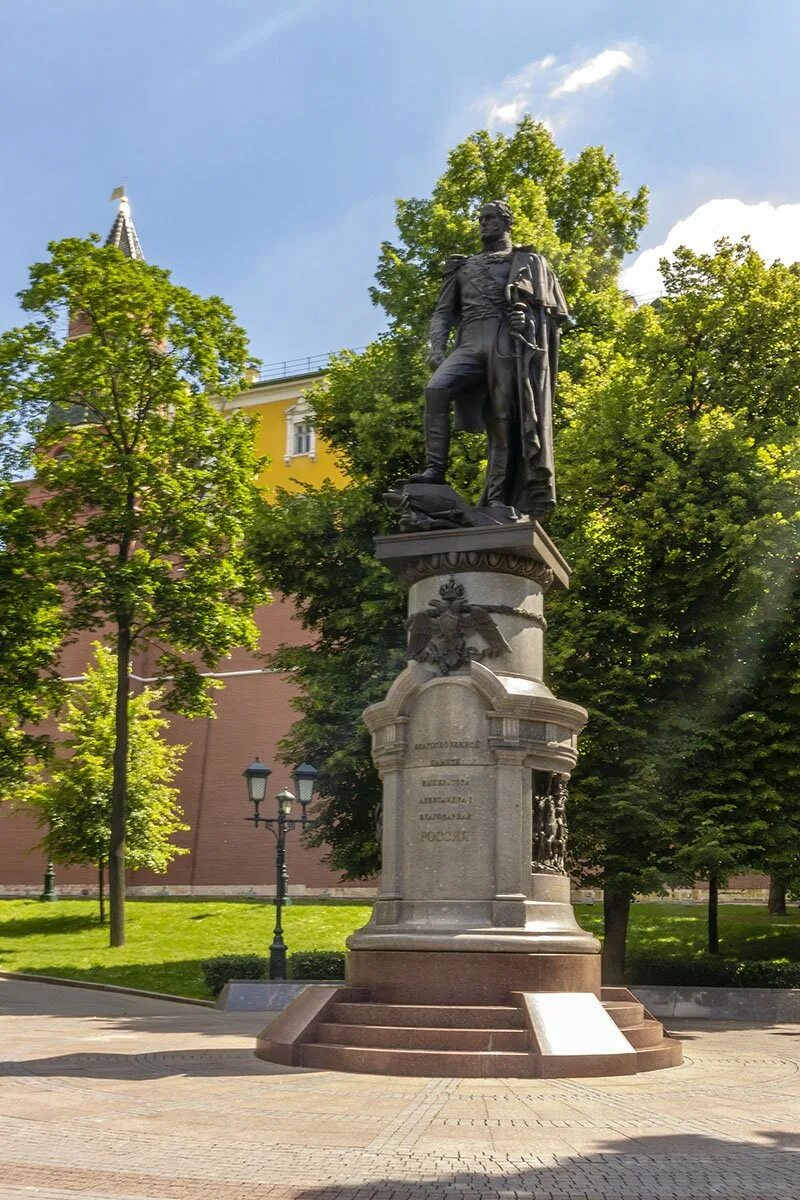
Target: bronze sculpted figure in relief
508 311
549 843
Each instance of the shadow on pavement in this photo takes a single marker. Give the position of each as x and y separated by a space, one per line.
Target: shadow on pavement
700 1027
147 1065
689 1166
121 1011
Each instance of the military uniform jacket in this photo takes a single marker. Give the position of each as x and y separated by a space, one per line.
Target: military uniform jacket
534 487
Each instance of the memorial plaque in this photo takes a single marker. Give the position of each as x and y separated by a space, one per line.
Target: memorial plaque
448 784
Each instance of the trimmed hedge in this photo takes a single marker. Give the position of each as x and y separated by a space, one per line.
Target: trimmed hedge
713 972
218 971
317 964
308 964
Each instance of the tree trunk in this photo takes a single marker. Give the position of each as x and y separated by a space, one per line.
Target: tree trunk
101 889
777 896
616 910
713 913
119 791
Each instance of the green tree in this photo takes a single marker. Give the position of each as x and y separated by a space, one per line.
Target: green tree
740 765
30 637
148 490
74 804
30 616
736 323
679 515
317 545
777 705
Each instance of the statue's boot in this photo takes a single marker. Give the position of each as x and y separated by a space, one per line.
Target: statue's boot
498 469
437 436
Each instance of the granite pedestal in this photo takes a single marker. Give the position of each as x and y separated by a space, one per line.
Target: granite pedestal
473 924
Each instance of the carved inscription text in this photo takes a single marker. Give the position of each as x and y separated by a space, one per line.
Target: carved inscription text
445 807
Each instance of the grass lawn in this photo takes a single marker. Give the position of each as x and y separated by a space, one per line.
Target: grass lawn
661 930
168 939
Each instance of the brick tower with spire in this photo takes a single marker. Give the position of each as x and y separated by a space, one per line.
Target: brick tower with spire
123 235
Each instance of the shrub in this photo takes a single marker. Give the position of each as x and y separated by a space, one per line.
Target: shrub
714 972
317 964
683 972
768 974
218 971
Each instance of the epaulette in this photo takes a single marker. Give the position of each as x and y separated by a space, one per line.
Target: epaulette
453 263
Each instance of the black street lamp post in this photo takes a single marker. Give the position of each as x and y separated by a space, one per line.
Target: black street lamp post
49 894
304 778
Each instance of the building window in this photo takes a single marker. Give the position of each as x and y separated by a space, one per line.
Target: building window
300 436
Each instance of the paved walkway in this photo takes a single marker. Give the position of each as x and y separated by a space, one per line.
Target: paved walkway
104 1095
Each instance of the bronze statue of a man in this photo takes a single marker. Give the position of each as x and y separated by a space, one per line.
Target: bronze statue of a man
508 308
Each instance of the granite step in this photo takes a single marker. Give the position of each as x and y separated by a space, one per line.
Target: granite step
616 992
429 1016
654 1048
624 1012
415 1037
669 1053
457 1064
649 1033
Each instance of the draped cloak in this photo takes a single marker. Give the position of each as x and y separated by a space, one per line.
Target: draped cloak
532 486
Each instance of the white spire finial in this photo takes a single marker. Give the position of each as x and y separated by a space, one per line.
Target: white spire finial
124 204
123 234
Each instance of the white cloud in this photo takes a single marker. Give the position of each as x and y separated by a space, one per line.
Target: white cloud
774 230
593 71
532 88
516 92
507 114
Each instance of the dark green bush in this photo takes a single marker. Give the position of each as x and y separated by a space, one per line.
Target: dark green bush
683 972
217 971
317 964
768 974
713 972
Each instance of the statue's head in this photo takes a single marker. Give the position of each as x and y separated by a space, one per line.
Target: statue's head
495 220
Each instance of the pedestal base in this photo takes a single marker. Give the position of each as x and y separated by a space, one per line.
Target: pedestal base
472 963
456 978
541 923
545 1035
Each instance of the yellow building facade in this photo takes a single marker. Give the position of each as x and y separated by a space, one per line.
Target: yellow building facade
285 433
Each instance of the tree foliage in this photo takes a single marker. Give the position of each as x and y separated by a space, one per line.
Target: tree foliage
679 513
30 615
30 637
148 489
74 804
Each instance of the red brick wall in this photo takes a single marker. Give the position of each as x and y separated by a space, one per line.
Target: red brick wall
253 712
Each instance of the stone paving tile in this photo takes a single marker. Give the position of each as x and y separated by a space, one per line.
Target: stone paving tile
107 1097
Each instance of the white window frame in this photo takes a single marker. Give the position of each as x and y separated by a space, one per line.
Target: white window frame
300 414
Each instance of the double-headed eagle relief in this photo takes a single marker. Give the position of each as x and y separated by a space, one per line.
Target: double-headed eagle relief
499 377
440 634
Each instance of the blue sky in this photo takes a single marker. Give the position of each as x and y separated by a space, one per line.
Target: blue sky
263 143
